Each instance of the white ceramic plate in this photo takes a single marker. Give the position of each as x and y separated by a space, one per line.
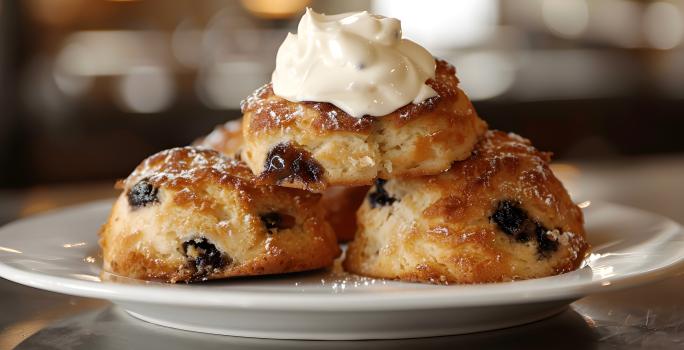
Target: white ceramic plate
58 252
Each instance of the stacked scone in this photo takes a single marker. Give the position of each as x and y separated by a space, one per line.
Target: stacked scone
361 135
190 214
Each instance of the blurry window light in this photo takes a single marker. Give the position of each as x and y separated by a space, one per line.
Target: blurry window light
101 53
438 24
614 21
226 37
567 18
70 84
572 74
69 80
186 44
485 75
146 89
222 37
224 85
663 25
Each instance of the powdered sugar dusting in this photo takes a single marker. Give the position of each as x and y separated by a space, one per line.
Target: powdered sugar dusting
186 165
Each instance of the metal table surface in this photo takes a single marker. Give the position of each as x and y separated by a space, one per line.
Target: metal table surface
647 317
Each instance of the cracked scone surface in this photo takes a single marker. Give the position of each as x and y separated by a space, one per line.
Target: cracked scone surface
313 145
340 202
189 214
500 215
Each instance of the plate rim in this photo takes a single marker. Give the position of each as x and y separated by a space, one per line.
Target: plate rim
443 297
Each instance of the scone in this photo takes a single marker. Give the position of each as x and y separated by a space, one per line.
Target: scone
313 145
500 215
340 203
189 214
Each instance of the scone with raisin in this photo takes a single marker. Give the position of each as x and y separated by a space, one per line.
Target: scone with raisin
500 215
340 202
313 145
189 214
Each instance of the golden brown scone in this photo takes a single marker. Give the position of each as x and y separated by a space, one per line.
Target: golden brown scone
340 203
190 214
313 145
500 215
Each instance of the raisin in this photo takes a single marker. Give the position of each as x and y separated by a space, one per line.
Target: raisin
276 221
380 197
514 221
204 256
545 244
509 217
142 194
285 162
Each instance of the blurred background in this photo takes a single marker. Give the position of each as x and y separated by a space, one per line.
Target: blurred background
88 88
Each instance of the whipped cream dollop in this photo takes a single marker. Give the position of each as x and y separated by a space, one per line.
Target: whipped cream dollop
356 61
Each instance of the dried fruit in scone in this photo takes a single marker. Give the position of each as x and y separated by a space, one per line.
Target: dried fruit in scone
313 145
189 214
500 215
340 203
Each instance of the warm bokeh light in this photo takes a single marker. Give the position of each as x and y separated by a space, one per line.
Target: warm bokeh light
147 89
224 85
485 74
437 24
568 18
275 9
107 75
614 21
663 25
112 52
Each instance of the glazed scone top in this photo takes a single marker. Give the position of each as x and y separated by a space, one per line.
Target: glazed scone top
187 166
357 61
188 169
500 215
270 111
506 168
190 214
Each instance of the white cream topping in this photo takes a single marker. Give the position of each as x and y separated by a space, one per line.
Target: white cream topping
356 61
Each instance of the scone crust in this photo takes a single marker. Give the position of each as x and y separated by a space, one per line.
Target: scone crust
339 202
442 229
337 149
205 203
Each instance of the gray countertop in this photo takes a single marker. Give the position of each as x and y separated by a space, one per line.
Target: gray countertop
650 316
